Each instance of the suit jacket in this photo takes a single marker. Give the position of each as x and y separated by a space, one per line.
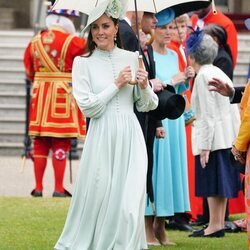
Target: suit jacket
238 94
224 62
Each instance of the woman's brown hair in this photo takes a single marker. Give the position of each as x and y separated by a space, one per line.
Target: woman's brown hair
90 47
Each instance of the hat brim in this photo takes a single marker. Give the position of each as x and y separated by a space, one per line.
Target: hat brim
165 17
95 14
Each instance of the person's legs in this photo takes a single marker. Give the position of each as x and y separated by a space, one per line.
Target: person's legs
41 151
60 147
150 235
160 233
217 209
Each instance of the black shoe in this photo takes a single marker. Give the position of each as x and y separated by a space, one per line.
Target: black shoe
197 233
182 226
200 233
217 234
64 194
199 222
36 193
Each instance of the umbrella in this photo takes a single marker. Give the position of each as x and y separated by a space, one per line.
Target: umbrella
84 6
179 6
154 6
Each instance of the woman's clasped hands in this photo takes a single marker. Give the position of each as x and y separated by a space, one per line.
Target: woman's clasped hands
125 76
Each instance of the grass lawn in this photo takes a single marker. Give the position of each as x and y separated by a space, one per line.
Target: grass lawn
36 223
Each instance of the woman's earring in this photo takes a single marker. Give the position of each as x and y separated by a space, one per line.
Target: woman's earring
115 38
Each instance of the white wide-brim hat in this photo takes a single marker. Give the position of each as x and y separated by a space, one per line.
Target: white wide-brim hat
113 8
96 13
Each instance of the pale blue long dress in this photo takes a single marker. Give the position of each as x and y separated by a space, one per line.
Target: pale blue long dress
107 207
170 180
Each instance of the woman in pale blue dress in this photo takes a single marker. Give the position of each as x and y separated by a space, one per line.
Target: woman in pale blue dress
170 181
107 207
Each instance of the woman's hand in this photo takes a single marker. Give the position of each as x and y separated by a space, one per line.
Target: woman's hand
160 133
178 78
239 155
189 72
142 78
157 85
124 77
204 157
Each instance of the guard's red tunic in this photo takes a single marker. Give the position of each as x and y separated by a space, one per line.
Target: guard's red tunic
48 62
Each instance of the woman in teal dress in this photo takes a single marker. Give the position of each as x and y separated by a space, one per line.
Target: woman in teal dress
170 181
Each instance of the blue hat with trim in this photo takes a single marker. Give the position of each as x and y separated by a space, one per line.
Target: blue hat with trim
165 16
194 40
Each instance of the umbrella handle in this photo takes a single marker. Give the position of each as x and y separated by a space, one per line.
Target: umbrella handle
151 35
214 8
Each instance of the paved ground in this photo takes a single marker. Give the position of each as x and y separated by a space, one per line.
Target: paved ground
13 182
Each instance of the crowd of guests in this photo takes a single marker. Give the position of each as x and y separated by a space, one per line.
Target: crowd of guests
139 173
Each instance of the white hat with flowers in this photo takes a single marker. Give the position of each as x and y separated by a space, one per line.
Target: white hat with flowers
112 8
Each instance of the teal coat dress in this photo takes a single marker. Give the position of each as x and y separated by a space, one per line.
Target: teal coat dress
170 180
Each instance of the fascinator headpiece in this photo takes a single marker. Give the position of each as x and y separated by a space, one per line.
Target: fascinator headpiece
194 41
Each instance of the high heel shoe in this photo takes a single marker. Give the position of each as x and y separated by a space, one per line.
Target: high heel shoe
164 242
168 243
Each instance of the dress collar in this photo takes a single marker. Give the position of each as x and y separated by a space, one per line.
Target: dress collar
105 52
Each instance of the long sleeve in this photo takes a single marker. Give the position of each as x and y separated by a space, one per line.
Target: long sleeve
92 105
28 63
145 99
243 139
208 114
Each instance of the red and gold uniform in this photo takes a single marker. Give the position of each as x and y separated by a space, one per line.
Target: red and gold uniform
54 114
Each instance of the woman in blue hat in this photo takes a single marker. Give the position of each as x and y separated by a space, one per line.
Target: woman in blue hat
170 182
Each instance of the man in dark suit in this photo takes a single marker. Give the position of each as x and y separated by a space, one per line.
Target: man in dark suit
235 94
130 42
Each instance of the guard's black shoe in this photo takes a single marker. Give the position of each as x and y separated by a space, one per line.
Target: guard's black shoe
64 194
36 193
